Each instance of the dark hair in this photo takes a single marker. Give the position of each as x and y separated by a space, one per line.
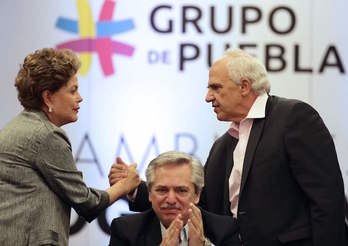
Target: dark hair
44 69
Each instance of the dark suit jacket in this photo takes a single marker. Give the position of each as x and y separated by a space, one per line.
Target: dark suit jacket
292 190
143 229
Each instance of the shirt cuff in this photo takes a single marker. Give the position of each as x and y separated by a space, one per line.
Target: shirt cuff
131 197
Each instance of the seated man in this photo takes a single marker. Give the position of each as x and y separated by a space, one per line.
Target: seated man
174 181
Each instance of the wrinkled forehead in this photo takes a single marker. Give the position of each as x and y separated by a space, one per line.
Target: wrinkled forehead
218 71
175 175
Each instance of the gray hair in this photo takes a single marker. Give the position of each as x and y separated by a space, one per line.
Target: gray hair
176 158
242 65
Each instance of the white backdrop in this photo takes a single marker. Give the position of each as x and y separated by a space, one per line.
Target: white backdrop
152 99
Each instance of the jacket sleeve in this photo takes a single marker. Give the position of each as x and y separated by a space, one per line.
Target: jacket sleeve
141 202
55 163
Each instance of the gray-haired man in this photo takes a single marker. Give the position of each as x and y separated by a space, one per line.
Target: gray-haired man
174 181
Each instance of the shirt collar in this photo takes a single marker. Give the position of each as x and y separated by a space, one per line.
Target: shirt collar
257 110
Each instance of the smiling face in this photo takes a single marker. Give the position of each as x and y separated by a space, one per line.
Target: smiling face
64 103
172 192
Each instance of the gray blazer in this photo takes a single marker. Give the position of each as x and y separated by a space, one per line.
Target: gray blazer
39 183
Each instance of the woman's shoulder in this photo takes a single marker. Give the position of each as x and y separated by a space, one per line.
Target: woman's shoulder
40 128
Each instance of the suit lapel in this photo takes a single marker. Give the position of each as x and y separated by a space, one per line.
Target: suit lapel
153 234
254 138
229 164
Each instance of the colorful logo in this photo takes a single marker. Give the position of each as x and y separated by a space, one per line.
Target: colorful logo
96 37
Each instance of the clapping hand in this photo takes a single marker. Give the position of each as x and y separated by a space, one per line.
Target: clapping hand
171 238
195 225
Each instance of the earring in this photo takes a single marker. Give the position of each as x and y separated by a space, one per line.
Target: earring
49 109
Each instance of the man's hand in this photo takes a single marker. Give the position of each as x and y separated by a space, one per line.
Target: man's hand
195 225
131 182
171 238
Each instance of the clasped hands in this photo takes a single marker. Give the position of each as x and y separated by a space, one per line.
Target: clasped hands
125 176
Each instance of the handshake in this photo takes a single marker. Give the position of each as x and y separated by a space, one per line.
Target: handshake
125 176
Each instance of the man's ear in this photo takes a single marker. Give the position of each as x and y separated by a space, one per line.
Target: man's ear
196 200
245 85
150 196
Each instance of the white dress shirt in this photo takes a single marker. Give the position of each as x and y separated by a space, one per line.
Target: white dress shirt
241 131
